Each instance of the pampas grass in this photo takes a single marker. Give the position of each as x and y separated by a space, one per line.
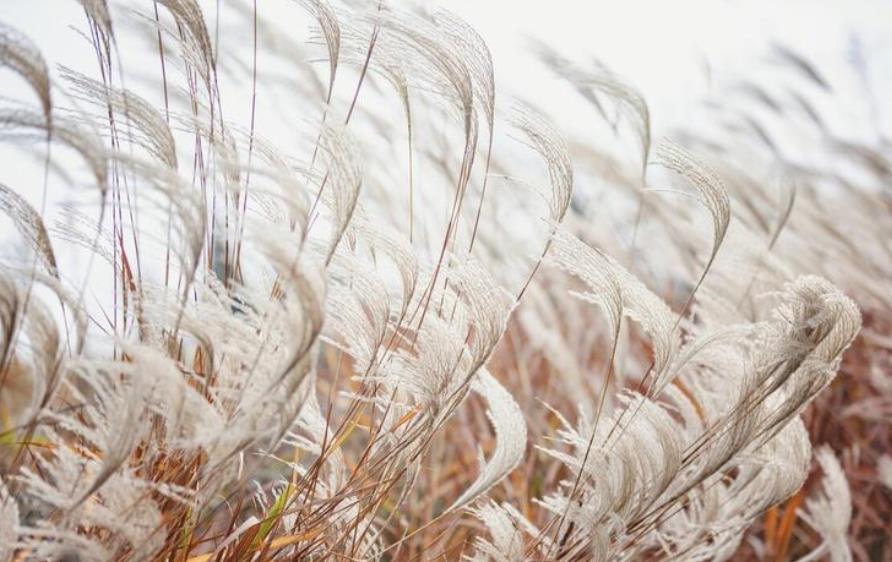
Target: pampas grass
364 315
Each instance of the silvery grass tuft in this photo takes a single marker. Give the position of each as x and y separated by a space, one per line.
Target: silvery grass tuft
319 296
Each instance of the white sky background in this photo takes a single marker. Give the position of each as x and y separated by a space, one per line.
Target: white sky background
662 47
679 53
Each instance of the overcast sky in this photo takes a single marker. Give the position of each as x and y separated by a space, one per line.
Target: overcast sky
670 50
679 53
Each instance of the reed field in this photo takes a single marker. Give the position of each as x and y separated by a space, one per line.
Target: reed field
306 280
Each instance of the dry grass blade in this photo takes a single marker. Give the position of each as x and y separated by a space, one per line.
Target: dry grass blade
29 224
18 53
152 132
601 81
331 33
511 438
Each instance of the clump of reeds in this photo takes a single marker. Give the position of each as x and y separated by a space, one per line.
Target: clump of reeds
312 312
